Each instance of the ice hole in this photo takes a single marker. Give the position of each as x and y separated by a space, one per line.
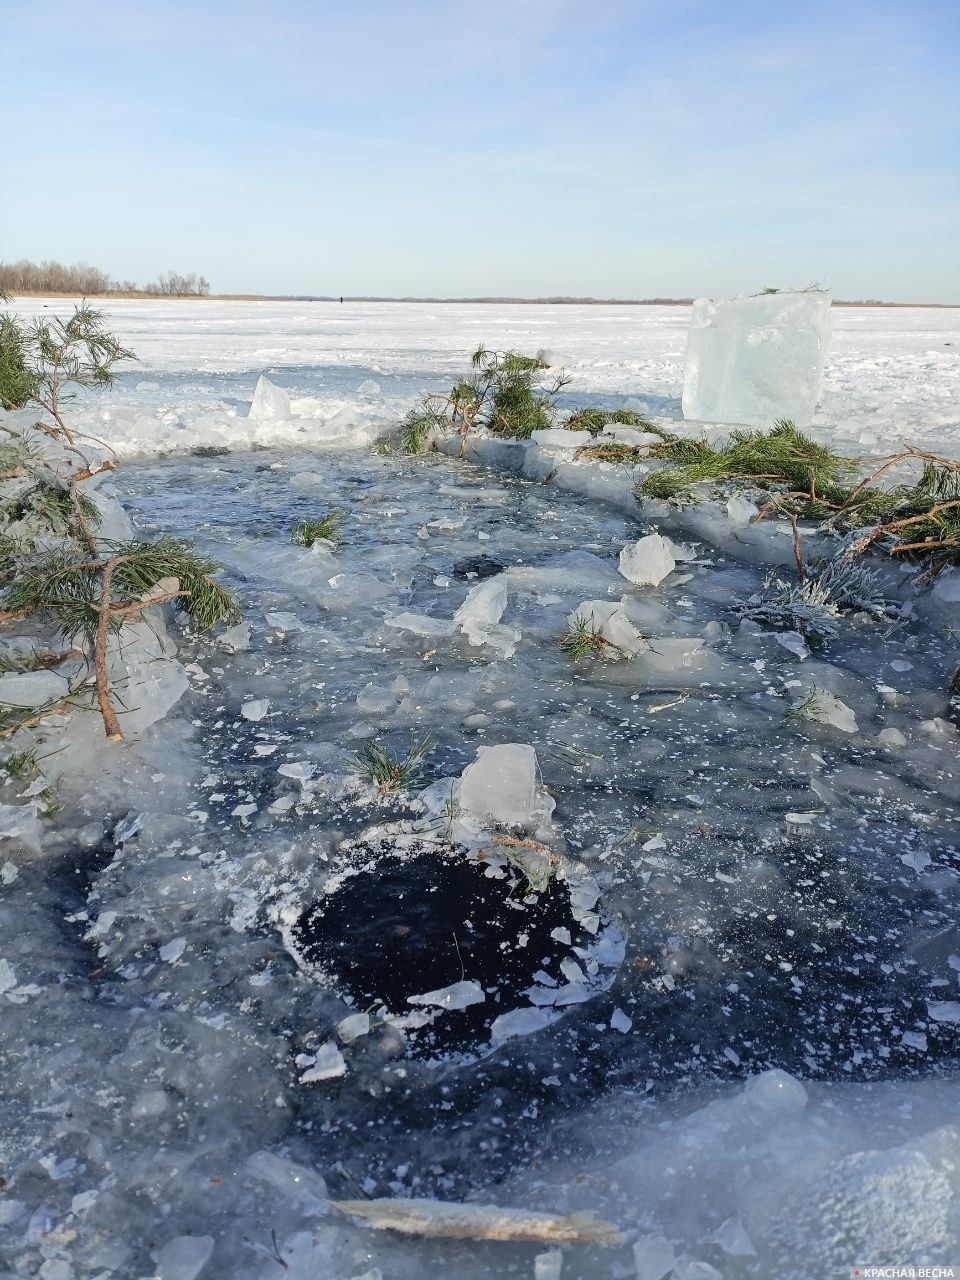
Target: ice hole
412 926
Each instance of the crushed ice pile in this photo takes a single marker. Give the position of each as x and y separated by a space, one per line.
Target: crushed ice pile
654 970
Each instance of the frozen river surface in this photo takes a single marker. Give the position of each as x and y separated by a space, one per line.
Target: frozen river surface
737 1040
892 374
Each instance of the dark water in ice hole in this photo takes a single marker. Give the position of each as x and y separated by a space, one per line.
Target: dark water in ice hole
417 925
750 945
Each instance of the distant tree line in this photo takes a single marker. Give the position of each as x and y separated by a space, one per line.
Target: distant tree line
54 277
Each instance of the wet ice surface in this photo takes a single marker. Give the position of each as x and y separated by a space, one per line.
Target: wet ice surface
788 895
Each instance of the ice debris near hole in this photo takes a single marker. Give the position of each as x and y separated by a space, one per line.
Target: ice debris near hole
793 642
827 708
732 1238
479 617
776 1091
420 624
295 1181
608 619
353 1027
648 561
483 606
459 995
171 951
326 1064
28 689
20 822
946 588
255 709
548 1266
620 1022
270 402
8 977
653 1257
184 1258
502 784
284 621
740 510
754 360
236 639
944 1010
916 860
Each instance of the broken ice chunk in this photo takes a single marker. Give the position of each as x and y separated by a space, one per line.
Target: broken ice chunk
548 1266
376 699
520 1022
571 970
236 638
171 951
647 561
944 1010
481 610
653 1257
270 403
27 689
296 1181
300 770
541 995
754 360
352 1027
420 624
572 993
607 619
186 1256
284 621
732 1238
741 510
20 822
914 1040
620 1022
826 708
916 860
793 642
457 996
776 1090
328 1065
630 435
501 784
308 480
255 709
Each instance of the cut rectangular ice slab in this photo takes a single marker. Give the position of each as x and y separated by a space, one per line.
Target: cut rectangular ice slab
754 360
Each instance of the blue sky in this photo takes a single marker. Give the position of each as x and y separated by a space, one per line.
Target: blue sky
589 147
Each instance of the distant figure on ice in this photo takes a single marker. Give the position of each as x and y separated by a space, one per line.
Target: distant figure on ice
341 301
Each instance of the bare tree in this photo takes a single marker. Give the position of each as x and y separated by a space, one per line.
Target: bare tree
81 279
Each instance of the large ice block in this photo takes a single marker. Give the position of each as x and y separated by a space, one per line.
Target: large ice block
501 783
754 360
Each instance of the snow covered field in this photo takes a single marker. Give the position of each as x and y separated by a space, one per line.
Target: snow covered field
892 374
737 1045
